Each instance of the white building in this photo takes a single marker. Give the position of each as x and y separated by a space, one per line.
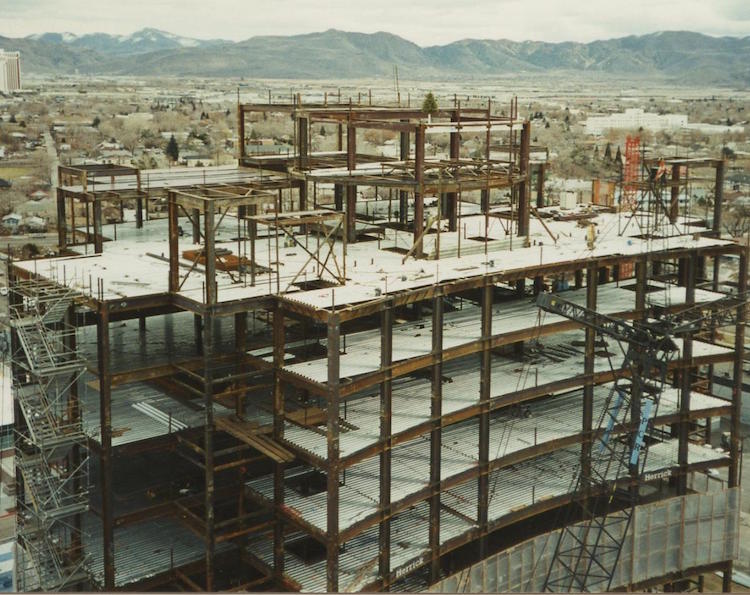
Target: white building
634 118
10 71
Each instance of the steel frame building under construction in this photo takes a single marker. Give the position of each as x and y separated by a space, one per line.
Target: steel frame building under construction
327 372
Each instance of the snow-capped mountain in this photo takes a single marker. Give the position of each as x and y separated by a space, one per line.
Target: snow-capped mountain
140 42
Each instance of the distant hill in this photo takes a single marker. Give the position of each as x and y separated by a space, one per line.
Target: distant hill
678 56
141 42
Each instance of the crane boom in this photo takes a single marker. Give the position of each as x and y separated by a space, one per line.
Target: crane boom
586 555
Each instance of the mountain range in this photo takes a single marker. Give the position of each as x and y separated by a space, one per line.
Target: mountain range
680 57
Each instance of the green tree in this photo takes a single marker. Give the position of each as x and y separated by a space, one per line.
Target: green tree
429 105
172 150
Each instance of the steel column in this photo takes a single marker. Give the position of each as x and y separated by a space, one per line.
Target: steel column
718 196
208 445
279 339
105 455
386 439
332 532
540 174
588 388
210 253
62 223
98 239
174 246
403 195
524 187
419 139
452 197
485 375
351 190
735 435
436 412
686 381
196 225
674 196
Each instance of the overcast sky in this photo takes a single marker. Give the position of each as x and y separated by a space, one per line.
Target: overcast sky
426 22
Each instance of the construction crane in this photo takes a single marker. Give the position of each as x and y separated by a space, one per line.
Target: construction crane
586 554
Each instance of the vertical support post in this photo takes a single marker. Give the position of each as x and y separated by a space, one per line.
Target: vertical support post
485 375
455 152
302 142
419 138
240 346
174 249
98 240
641 269
674 194
105 456
524 187
436 414
332 533
279 339
686 381
588 370
138 202
139 212
540 175
578 283
62 223
338 197
403 195
734 431
718 196
208 440
351 190
240 132
386 441
196 226
210 252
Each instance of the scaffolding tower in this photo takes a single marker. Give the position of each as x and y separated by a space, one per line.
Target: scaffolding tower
51 447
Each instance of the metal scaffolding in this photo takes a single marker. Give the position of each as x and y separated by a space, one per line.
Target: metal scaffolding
51 447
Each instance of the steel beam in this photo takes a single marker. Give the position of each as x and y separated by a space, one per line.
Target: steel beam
686 380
